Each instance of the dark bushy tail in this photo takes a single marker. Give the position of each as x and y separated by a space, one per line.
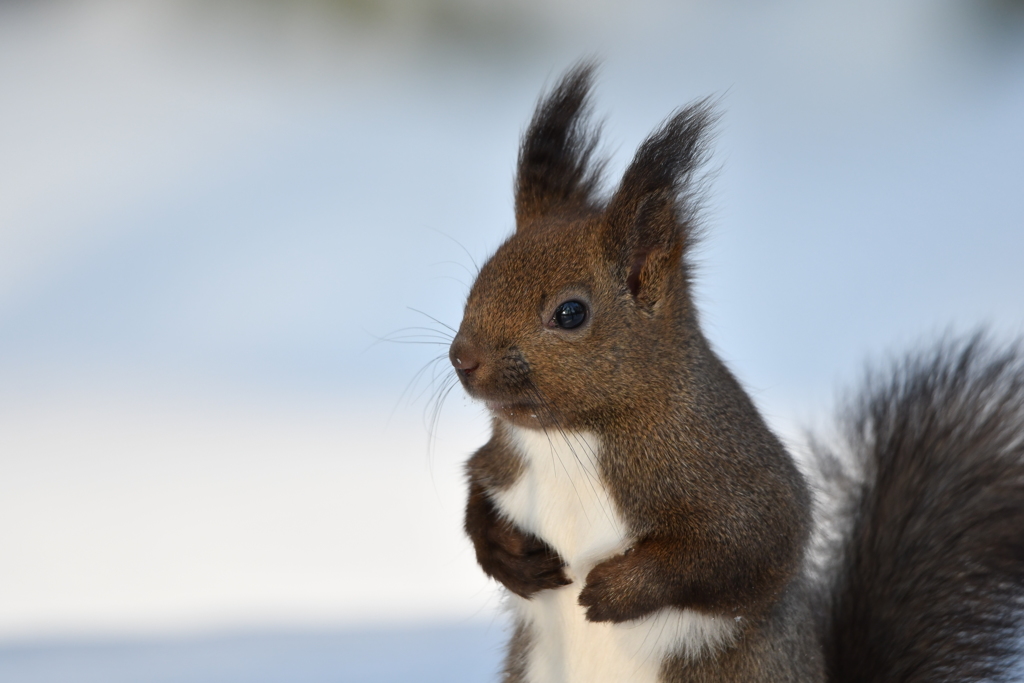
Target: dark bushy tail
930 578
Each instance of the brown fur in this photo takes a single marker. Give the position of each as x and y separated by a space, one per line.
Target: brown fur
717 511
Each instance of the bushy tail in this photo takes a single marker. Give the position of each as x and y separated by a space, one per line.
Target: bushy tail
929 581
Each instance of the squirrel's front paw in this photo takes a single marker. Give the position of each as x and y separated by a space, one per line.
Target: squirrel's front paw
618 590
522 562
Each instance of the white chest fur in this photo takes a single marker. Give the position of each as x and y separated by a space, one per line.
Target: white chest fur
561 498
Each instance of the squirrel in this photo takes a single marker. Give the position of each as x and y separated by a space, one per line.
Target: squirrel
646 522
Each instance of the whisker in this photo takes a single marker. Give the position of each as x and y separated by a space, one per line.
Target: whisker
435 414
639 649
416 310
463 248
539 397
459 264
426 335
419 373
400 341
591 455
572 482
410 386
431 417
424 329
418 335
437 372
453 279
426 332
661 634
555 419
592 476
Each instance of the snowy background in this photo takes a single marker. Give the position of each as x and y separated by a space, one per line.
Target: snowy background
210 213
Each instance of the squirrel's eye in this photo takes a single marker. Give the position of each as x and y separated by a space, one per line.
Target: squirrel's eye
570 314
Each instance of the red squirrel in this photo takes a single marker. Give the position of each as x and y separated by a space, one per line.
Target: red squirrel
647 523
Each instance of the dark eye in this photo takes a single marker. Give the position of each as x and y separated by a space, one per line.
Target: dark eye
570 314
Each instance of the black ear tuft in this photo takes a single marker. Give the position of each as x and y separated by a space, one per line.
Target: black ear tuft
655 208
555 172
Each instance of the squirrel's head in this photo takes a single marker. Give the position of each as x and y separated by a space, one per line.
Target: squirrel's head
585 310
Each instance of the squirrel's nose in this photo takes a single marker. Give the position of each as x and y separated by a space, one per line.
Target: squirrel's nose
465 363
464 359
465 366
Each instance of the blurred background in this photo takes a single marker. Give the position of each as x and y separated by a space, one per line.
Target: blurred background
212 468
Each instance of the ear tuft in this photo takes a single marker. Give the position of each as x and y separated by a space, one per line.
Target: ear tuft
556 172
651 220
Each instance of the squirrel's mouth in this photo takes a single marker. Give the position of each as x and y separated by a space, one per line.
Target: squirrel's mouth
513 409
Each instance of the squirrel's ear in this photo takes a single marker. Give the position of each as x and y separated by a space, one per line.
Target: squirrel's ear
555 172
651 220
